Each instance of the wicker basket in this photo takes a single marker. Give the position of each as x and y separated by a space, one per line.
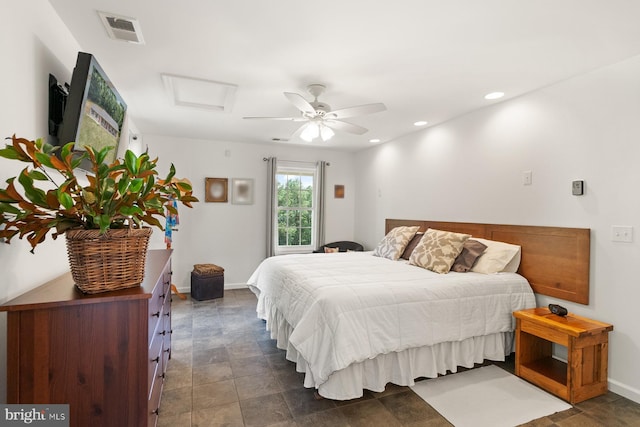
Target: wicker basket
108 262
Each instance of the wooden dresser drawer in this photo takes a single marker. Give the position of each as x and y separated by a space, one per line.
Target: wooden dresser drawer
154 402
117 383
155 359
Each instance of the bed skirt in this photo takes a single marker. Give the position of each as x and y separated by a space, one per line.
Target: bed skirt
400 368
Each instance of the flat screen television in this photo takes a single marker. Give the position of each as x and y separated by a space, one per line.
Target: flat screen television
95 112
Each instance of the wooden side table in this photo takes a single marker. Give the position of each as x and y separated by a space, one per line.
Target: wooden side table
584 375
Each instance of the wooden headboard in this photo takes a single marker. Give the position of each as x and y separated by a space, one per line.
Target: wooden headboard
555 260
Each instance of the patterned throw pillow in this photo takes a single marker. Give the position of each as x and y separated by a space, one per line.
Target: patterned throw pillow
393 244
438 250
331 250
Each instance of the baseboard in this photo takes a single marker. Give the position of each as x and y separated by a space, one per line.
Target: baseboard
624 390
187 289
616 386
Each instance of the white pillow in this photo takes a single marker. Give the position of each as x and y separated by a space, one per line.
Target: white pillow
498 257
394 243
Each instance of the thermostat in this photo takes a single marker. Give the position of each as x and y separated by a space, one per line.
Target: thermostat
577 188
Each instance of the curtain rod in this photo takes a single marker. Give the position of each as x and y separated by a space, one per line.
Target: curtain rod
264 159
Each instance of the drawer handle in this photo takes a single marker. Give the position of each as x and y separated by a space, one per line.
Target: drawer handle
161 296
157 314
168 350
163 333
161 376
157 359
156 412
168 314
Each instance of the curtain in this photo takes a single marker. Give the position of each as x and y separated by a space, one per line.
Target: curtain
320 190
272 236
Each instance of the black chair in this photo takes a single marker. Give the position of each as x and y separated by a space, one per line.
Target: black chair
343 246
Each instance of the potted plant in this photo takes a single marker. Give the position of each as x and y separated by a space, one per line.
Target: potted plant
101 214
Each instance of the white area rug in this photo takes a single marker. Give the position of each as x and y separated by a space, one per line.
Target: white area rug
487 396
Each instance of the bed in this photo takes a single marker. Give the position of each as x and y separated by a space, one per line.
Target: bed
354 321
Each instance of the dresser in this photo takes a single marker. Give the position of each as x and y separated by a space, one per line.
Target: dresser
104 354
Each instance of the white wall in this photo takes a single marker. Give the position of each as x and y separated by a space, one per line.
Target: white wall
234 236
470 169
33 43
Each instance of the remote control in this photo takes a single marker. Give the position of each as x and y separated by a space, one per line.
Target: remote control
558 310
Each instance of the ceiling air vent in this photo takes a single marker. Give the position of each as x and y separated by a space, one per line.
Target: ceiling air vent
122 28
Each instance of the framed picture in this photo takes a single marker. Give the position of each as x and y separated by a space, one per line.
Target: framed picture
338 191
216 190
242 191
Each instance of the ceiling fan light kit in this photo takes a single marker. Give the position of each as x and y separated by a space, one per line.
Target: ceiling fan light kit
320 120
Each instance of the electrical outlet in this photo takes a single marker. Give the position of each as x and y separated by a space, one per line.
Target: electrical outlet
526 178
622 233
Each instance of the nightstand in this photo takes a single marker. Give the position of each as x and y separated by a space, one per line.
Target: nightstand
584 375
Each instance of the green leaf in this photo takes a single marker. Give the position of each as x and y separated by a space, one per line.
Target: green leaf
66 150
44 159
9 153
136 185
65 200
104 221
131 161
172 172
77 160
102 154
131 211
123 184
184 186
37 175
34 194
149 186
6 207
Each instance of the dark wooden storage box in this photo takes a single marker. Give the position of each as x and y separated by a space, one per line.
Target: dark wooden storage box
207 286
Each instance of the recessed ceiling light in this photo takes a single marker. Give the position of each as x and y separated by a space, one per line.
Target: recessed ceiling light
420 123
494 95
374 140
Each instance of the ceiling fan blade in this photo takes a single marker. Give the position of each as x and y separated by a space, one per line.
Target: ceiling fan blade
290 119
359 110
300 103
345 127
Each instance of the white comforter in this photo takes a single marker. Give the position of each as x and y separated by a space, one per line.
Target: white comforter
349 307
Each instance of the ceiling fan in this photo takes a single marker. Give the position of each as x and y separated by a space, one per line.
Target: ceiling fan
320 120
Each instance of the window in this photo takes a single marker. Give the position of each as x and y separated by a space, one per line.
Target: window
296 207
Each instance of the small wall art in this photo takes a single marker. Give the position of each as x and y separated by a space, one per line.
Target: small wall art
338 191
216 190
242 191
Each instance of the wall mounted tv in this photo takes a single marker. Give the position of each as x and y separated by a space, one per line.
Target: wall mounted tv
95 112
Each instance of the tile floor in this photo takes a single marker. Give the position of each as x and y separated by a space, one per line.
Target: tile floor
226 371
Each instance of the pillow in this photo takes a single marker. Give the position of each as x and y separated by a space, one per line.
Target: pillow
411 245
394 243
438 250
331 250
471 251
498 257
